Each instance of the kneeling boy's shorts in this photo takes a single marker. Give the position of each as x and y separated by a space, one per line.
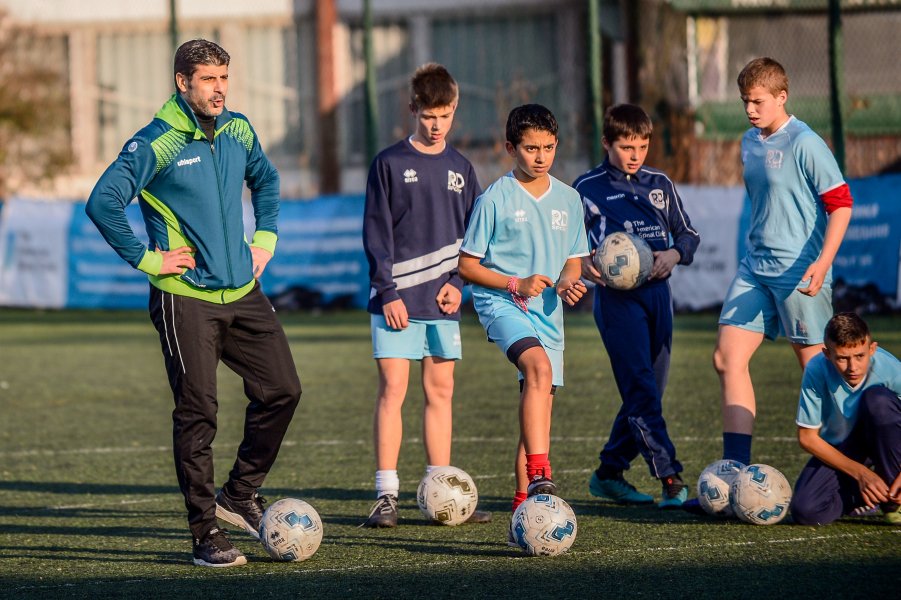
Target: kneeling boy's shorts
753 305
421 338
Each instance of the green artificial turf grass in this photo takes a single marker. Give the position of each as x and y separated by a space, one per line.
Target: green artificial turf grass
89 506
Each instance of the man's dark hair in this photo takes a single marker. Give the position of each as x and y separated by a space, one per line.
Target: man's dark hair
846 329
198 52
529 116
626 121
432 87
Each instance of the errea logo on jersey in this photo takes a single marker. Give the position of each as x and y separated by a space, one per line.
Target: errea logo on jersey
410 176
455 182
774 159
188 161
520 216
559 220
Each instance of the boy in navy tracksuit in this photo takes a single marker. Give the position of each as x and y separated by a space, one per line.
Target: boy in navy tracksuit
636 325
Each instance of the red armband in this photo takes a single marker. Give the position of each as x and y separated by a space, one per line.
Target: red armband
839 197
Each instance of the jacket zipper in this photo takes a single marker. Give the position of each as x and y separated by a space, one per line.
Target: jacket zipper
228 265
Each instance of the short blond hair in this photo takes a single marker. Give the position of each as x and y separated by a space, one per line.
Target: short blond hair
763 72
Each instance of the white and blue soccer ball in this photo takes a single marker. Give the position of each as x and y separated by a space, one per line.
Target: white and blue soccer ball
760 495
714 487
447 495
544 525
291 530
624 260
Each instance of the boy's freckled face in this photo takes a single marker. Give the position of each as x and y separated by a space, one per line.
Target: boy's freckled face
765 110
535 154
627 155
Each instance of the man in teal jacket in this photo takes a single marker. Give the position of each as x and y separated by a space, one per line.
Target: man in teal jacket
187 168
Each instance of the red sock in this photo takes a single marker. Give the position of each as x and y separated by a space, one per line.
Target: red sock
537 465
518 498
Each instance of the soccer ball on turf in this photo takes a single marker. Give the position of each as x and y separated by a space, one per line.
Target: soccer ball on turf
291 530
624 260
760 495
447 495
544 525
713 487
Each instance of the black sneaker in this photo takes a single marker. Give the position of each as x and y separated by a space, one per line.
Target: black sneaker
246 514
215 550
383 513
541 485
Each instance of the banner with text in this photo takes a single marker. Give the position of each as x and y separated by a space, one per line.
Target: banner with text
52 256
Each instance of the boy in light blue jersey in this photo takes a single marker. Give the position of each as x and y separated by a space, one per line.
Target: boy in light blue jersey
849 416
522 253
800 209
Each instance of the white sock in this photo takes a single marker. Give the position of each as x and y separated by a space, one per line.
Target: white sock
429 469
387 482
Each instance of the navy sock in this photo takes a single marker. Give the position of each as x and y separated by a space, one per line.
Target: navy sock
737 446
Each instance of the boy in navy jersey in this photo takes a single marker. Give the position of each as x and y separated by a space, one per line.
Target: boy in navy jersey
636 325
522 253
418 198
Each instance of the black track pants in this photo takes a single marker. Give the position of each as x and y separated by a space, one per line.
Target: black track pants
246 336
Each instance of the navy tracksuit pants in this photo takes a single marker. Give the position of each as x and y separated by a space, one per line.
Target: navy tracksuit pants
637 329
245 335
823 494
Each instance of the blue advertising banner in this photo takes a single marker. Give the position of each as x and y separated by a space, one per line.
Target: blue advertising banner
98 278
319 258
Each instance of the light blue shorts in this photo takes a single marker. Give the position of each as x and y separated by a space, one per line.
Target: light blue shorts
509 325
755 306
421 338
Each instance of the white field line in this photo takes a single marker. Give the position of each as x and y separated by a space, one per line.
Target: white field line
412 440
462 561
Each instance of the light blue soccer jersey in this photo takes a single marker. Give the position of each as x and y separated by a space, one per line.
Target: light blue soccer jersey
519 235
828 402
785 174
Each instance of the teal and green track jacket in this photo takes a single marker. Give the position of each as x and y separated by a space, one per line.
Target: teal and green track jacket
189 191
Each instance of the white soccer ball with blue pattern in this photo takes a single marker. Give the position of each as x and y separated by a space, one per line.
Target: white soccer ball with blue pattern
447 495
544 525
624 260
291 530
713 487
760 495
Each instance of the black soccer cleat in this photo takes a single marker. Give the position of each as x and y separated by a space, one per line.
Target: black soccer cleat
215 550
245 513
541 485
383 513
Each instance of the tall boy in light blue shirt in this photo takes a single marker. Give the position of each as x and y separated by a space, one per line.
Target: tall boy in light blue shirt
800 210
